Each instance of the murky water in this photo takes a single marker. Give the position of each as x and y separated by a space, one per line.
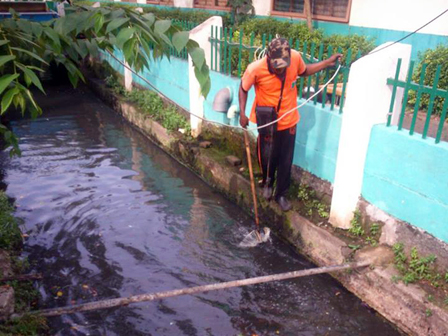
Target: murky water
109 214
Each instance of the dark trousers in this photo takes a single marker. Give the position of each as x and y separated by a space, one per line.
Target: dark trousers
275 154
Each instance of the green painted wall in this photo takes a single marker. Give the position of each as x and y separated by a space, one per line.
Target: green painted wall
317 141
407 177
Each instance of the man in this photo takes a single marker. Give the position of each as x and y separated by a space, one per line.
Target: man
274 77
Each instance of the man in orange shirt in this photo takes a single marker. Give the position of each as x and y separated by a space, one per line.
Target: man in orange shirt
274 78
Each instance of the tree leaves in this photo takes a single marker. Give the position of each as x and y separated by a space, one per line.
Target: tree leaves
6 59
161 26
7 98
31 76
124 35
197 56
180 40
116 23
6 80
82 32
33 55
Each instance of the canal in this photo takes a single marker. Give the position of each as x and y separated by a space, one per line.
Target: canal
109 214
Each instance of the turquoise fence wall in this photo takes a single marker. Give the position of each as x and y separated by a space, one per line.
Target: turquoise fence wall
169 77
317 141
407 177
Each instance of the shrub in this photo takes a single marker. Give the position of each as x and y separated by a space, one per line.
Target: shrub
432 57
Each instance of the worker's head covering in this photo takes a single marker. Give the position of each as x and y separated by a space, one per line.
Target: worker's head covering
279 53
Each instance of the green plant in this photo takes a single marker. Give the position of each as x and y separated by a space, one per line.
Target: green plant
371 241
356 227
10 234
428 312
354 247
374 229
433 58
416 268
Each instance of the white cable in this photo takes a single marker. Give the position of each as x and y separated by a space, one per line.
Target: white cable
217 122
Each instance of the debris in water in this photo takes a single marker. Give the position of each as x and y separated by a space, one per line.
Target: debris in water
252 239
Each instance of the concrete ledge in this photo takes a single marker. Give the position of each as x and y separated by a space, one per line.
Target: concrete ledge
405 306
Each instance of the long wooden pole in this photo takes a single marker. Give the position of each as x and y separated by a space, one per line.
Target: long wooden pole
193 290
252 181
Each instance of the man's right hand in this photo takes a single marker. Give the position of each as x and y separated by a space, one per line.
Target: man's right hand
244 121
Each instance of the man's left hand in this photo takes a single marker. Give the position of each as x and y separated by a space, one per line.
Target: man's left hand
333 58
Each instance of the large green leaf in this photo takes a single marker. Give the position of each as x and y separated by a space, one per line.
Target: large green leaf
198 56
52 35
124 35
92 47
3 42
7 98
180 40
116 23
150 18
99 21
30 54
161 26
37 29
203 77
6 59
25 25
31 75
128 50
6 80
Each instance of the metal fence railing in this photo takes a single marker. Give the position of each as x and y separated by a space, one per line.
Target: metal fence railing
432 94
232 52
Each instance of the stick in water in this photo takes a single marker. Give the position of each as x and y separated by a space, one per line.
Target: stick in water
193 290
252 183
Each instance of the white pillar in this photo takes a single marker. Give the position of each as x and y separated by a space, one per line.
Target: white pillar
201 34
183 3
127 78
262 7
367 104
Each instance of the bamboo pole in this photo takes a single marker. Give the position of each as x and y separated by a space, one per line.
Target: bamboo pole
193 290
252 182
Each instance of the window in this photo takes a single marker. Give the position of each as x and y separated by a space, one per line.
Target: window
330 10
211 4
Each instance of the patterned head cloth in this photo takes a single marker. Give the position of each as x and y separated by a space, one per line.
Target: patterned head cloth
279 53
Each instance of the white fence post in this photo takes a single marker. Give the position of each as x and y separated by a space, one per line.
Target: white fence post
127 77
367 104
201 34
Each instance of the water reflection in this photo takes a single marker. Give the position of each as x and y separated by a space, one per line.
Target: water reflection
111 215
